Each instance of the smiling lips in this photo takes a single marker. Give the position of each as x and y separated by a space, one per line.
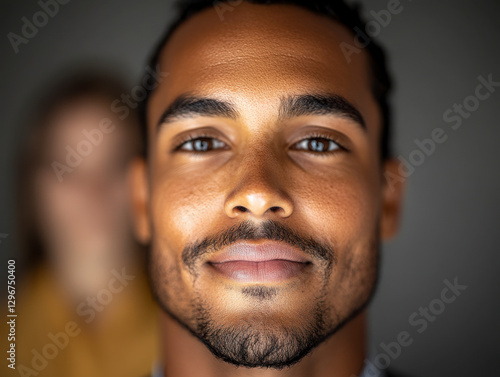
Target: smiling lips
259 263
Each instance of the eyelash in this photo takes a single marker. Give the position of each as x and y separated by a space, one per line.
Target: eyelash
319 135
316 135
192 137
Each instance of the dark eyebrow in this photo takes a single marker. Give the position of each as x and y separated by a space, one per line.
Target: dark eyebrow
186 106
319 104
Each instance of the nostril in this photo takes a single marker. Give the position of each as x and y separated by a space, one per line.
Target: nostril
241 208
275 209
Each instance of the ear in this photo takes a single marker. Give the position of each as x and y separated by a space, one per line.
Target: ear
138 182
394 183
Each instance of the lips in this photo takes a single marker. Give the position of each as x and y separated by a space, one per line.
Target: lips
260 263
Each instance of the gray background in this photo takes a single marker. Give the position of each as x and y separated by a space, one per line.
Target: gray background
451 214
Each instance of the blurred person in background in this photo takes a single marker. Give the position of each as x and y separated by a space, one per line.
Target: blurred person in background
83 303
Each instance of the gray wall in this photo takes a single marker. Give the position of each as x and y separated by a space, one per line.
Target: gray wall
451 216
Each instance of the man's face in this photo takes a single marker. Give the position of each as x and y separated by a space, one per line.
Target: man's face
264 197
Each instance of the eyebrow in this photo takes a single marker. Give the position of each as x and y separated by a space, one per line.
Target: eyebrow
186 106
320 104
189 106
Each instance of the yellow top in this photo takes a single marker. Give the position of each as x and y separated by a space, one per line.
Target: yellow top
52 339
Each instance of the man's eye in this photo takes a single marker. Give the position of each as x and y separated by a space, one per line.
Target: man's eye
317 144
201 144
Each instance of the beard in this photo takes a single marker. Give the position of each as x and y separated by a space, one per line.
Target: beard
260 338
256 342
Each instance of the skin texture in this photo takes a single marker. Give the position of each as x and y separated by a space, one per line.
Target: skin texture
264 176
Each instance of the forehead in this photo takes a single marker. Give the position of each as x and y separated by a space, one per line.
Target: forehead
257 54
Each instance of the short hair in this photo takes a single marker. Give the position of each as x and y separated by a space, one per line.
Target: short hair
337 10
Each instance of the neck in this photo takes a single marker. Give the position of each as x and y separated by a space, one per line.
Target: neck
341 355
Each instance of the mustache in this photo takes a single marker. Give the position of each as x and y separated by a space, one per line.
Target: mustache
248 230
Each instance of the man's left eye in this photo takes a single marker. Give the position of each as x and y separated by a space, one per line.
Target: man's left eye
202 144
317 144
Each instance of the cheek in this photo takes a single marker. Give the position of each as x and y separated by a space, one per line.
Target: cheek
343 211
341 207
183 208
71 208
117 203
55 202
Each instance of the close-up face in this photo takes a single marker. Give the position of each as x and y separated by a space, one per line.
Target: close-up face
263 195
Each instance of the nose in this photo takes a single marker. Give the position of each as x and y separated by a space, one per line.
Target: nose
258 192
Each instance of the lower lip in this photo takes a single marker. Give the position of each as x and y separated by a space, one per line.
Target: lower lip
260 272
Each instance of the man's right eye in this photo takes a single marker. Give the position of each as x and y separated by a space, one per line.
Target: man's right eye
201 144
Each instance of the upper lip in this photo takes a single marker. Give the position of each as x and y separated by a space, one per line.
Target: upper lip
261 252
